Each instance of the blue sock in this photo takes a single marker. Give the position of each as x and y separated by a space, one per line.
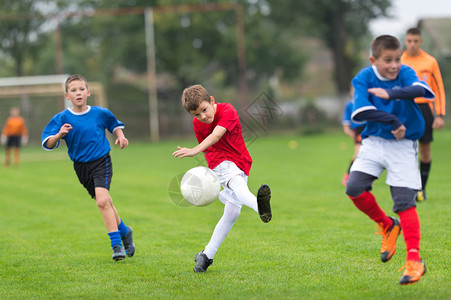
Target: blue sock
115 238
122 228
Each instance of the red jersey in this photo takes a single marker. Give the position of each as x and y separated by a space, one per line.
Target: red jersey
231 145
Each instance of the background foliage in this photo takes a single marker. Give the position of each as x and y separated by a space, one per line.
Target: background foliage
191 47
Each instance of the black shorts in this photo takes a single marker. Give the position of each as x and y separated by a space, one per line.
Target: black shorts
428 120
13 141
97 173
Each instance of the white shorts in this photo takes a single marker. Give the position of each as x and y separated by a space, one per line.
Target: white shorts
399 158
226 171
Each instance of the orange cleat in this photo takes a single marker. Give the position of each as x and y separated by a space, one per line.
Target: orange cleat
413 272
389 237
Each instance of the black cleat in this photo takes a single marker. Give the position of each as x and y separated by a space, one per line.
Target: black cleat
202 262
118 252
264 207
127 240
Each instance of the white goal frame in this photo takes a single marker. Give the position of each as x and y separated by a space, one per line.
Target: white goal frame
46 85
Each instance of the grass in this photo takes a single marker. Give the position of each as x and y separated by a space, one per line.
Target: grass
318 245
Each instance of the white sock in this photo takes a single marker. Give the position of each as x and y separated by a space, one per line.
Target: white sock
239 187
222 229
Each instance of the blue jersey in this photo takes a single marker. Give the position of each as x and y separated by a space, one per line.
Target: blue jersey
86 141
346 120
405 110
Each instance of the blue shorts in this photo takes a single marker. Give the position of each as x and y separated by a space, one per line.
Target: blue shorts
97 173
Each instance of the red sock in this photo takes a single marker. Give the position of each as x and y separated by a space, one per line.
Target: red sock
367 204
410 225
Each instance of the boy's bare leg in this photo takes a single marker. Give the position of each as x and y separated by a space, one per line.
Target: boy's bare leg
106 208
116 215
7 156
16 157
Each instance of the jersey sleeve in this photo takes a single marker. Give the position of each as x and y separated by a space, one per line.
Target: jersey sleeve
228 118
111 122
5 128
52 128
409 77
362 97
24 128
437 87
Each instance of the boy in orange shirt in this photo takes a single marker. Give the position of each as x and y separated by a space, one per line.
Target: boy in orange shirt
14 134
427 69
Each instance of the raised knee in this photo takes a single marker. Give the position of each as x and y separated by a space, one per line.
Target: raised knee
404 198
233 212
353 191
103 202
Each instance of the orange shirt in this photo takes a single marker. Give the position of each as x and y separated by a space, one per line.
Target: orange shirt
427 69
15 126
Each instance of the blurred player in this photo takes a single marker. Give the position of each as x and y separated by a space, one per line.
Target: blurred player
218 131
384 98
427 69
14 134
352 129
83 128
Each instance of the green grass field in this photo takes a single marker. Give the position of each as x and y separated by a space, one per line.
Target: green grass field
318 245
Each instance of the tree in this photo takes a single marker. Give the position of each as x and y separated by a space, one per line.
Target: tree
341 24
21 35
189 46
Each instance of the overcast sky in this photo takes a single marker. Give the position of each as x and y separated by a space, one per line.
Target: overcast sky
407 13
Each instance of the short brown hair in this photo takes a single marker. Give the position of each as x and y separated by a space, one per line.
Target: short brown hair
74 78
414 31
384 42
192 96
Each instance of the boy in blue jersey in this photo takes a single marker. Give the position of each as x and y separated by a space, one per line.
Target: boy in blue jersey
83 128
384 98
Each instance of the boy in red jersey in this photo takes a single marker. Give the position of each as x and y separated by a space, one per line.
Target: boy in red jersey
218 131
427 69
14 134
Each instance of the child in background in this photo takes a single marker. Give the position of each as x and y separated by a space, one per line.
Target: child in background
83 128
14 134
218 131
428 70
384 98
353 130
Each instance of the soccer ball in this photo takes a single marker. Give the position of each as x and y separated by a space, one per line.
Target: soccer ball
200 186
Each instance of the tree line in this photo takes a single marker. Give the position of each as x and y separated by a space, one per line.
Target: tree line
189 44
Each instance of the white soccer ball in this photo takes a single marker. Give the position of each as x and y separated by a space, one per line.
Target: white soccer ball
200 186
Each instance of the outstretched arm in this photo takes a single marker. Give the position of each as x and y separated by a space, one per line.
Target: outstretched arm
407 93
121 140
347 129
213 138
399 130
53 140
